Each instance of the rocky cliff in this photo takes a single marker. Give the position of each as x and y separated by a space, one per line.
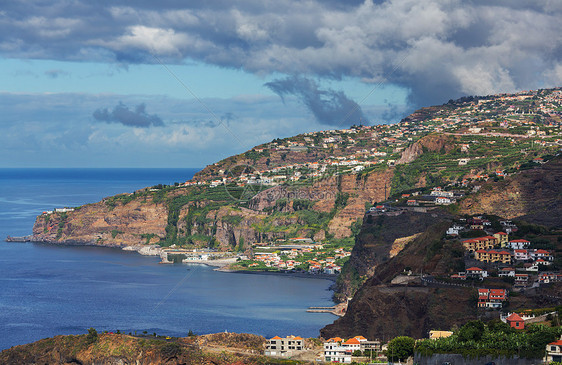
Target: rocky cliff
381 237
109 222
212 216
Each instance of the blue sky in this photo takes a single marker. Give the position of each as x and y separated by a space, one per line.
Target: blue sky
176 84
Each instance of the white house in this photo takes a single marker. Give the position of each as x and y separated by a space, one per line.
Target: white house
554 351
507 272
518 244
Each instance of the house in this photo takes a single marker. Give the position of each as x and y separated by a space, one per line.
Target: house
554 351
491 298
521 279
454 230
507 272
542 262
480 243
433 334
493 256
443 200
284 347
515 321
412 202
341 351
459 276
540 254
521 255
502 238
548 277
476 273
518 244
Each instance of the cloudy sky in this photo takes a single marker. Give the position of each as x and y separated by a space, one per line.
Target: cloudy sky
173 83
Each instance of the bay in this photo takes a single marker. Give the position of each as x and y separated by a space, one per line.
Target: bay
46 290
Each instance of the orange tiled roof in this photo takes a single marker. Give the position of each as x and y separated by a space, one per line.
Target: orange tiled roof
514 317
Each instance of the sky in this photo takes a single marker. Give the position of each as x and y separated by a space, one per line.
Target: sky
175 83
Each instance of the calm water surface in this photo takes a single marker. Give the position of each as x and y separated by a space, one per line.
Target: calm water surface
47 290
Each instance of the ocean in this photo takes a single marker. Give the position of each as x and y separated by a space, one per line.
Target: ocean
47 290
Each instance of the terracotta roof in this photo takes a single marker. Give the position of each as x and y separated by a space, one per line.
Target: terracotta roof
352 341
502 233
474 269
556 343
335 339
514 317
276 338
523 241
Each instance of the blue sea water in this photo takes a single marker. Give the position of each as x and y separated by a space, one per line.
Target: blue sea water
46 290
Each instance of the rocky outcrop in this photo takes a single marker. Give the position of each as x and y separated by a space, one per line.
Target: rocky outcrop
533 195
114 224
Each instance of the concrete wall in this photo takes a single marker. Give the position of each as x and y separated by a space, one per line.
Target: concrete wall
456 359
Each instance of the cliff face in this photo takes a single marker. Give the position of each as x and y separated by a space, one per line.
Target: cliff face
104 224
381 237
533 195
149 218
358 189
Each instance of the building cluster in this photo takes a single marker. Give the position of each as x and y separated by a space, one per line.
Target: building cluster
360 147
341 351
318 260
497 255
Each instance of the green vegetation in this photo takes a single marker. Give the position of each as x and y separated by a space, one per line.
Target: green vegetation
92 335
115 232
400 348
475 339
63 217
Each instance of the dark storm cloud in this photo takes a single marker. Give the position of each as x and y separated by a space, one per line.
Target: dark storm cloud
437 49
328 106
132 118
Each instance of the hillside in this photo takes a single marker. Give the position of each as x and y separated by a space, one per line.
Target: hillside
532 195
318 185
396 300
122 349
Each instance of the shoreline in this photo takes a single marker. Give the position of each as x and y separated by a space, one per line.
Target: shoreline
305 275
151 250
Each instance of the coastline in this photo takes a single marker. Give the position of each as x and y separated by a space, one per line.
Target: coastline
305 275
154 250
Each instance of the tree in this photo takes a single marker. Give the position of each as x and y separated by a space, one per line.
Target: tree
471 331
400 348
92 335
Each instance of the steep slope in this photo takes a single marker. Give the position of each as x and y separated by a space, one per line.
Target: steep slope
379 240
533 195
385 307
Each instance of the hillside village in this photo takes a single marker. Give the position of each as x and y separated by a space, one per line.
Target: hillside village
529 121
